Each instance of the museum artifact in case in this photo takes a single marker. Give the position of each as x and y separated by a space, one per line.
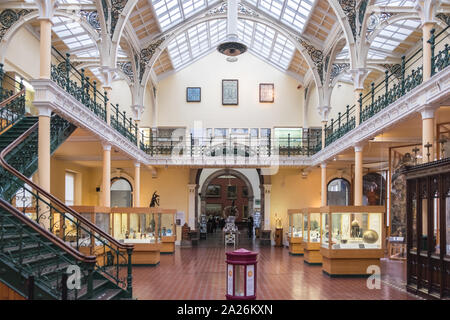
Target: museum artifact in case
295 233
167 230
352 239
311 235
139 226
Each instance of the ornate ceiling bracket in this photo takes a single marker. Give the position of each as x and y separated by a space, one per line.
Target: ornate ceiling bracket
375 20
92 18
127 69
337 69
146 55
349 8
222 9
8 17
315 54
395 69
444 17
116 9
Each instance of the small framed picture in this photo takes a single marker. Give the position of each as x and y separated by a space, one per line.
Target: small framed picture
266 93
193 94
230 92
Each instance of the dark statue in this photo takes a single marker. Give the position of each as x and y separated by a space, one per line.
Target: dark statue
155 200
233 209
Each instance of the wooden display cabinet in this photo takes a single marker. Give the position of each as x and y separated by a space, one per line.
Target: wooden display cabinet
428 229
295 233
311 236
352 239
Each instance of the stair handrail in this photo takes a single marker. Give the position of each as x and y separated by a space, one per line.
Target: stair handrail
11 98
47 234
48 195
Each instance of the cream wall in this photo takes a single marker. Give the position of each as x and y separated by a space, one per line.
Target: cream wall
342 95
22 55
313 118
207 73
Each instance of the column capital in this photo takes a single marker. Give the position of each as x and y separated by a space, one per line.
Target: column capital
192 187
137 164
267 188
44 111
324 111
358 147
323 165
359 76
108 75
137 110
106 146
46 9
427 112
427 11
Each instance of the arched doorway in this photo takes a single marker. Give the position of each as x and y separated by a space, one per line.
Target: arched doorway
121 193
338 192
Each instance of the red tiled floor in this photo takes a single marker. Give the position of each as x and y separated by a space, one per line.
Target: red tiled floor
199 273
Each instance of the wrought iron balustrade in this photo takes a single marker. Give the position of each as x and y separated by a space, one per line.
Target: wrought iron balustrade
18 161
12 101
242 146
123 125
440 60
343 124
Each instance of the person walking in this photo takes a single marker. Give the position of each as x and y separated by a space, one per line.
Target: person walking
250 226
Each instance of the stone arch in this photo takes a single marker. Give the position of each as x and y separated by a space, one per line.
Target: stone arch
34 15
229 172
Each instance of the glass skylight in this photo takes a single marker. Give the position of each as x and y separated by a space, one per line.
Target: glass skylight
391 36
71 33
292 13
395 3
76 1
201 39
172 12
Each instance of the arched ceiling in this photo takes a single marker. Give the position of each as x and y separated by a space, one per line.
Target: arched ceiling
313 21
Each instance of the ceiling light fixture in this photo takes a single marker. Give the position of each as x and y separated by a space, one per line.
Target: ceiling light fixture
232 47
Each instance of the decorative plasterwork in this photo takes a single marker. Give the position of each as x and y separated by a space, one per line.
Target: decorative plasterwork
8 17
337 69
49 94
444 17
92 18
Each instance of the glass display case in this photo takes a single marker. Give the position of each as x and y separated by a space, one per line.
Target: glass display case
142 228
167 230
352 238
312 228
295 232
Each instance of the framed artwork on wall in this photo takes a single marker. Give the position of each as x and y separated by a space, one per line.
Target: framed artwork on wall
266 93
230 92
231 192
193 94
213 191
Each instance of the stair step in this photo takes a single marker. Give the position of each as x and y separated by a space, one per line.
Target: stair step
108 294
40 258
97 284
29 246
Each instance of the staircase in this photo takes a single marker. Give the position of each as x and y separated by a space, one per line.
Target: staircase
43 243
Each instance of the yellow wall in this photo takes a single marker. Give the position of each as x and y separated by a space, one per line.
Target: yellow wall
342 95
207 73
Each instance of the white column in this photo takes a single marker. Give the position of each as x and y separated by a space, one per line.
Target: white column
106 181
191 213
137 185
267 190
358 176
